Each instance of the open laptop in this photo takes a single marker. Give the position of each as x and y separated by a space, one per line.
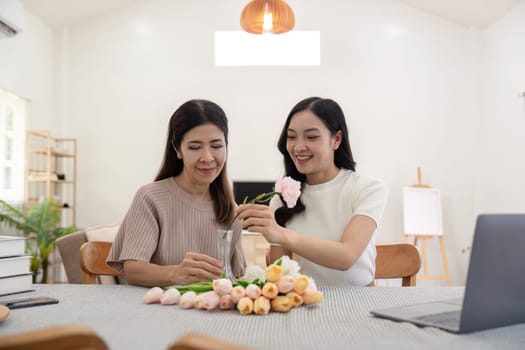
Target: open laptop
495 291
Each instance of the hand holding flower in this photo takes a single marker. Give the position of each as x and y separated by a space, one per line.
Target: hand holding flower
288 188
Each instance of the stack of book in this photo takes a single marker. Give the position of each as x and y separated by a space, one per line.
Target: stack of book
15 275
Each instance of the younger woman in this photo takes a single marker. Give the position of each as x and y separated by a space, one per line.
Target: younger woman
331 229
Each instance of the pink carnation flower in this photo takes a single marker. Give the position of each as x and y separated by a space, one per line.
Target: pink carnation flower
290 189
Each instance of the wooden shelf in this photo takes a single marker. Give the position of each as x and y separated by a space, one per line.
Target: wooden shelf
46 157
52 152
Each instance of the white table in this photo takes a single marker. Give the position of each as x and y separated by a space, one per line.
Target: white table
342 321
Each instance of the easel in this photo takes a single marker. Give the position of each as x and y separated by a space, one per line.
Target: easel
423 239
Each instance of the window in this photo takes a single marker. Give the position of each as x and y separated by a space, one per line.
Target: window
12 131
295 48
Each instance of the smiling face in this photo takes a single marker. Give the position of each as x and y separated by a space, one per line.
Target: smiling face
203 152
311 147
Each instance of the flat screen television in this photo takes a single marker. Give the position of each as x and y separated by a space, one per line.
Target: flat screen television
241 189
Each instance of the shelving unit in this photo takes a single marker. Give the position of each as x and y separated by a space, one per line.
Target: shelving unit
51 167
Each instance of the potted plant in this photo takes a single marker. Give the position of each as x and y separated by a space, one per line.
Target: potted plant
40 223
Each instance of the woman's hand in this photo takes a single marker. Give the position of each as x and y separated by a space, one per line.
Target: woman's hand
259 218
194 268
197 268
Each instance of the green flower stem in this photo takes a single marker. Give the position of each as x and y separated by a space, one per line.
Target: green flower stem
261 198
202 287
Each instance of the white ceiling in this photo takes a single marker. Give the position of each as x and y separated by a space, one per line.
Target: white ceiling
468 13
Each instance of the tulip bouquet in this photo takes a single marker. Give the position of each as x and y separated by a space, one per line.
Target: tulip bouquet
278 288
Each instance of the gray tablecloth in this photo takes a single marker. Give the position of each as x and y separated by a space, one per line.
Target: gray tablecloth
342 321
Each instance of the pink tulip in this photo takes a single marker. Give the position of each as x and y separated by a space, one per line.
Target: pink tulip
170 297
226 302
253 291
237 293
153 295
209 300
285 284
222 286
187 300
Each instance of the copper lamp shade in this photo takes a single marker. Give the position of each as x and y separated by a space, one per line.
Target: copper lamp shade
277 14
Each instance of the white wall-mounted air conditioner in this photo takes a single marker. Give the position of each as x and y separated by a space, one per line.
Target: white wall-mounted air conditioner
11 17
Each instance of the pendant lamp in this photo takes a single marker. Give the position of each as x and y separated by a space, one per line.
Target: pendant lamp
267 16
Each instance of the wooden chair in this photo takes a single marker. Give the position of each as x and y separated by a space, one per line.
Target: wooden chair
65 337
93 261
398 261
199 341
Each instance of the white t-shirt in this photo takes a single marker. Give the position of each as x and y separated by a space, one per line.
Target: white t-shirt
329 208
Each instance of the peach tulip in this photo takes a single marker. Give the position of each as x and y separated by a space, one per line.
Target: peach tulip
301 283
273 273
281 303
170 297
187 300
295 299
245 306
270 290
261 306
153 296
311 296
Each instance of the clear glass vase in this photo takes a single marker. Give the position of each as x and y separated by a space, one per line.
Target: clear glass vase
224 240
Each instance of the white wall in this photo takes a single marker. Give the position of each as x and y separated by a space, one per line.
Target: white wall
408 81
26 69
411 84
502 188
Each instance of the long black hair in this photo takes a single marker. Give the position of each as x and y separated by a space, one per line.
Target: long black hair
189 115
332 116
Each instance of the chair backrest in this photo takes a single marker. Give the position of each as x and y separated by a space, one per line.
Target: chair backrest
65 337
398 261
199 341
69 248
93 261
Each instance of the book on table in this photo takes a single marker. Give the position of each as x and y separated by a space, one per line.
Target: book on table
12 246
15 266
16 284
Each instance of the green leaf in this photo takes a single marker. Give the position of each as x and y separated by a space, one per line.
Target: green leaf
242 283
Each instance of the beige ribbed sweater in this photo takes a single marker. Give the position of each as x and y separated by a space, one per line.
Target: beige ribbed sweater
164 222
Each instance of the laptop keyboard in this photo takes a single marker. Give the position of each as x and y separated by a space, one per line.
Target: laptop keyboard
447 319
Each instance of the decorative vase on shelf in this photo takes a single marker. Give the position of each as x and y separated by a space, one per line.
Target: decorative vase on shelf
224 239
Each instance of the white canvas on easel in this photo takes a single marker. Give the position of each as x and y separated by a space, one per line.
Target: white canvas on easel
423 220
422 211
